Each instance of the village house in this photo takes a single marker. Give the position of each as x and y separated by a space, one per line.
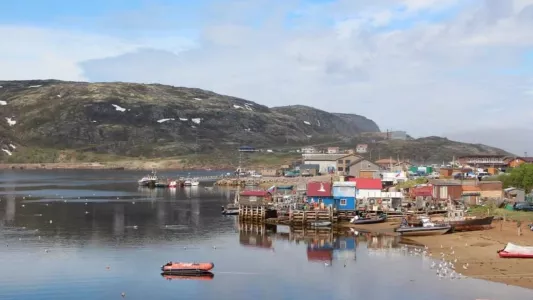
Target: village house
517 161
333 150
269 172
471 194
367 187
444 190
386 163
362 168
361 148
483 161
344 193
309 150
255 198
491 190
327 162
319 192
343 163
309 170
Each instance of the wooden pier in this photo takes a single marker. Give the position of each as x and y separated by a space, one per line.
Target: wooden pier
255 214
308 216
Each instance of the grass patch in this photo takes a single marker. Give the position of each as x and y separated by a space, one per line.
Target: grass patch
510 215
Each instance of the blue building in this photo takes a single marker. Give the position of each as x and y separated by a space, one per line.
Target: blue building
344 193
320 192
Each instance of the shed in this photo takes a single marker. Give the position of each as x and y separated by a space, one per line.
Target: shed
309 169
344 194
471 194
442 190
367 187
255 198
491 189
320 192
363 168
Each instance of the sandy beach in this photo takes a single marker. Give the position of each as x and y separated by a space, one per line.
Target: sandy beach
478 249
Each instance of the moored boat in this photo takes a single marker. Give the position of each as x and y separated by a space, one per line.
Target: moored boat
172 184
230 209
148 180
191 182
202 276
470 224
181 268
515 251
379 219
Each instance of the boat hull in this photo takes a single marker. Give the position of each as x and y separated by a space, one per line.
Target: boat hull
515 251
201 276
187 268
423 231
369 221
472 224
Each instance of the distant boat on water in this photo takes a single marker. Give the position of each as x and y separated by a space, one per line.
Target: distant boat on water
191 182
149 180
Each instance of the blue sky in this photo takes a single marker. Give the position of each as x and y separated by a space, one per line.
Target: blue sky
439 58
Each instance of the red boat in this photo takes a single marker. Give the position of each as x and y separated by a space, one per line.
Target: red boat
516 251
181 268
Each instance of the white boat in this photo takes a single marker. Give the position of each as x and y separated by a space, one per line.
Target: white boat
191 182
172 184
149 179
515 251
427 228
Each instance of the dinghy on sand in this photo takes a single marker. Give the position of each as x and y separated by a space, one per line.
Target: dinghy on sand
515 251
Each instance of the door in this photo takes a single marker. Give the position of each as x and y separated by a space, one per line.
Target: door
366 174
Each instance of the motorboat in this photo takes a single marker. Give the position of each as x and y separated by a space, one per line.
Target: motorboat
230 209
427 228
182 268
515 251
191 182
149 180
172 184
380 219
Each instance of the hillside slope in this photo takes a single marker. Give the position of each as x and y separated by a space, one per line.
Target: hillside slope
152 120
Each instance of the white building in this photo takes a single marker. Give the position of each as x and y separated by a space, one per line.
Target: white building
327 162
309 150
333 150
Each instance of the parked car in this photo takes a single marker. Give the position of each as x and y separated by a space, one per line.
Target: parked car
523 206
434 175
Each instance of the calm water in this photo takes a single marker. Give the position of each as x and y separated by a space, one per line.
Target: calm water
95 235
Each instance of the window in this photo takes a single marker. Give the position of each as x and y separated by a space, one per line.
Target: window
347 162
320 200
339 161
340 169
343 202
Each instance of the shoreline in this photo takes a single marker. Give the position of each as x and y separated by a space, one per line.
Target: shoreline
478 249
126 165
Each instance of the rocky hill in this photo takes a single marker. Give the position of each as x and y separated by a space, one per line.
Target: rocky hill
154 120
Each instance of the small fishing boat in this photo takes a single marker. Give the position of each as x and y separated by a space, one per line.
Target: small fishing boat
230 209
172 184
201 276
148 180
320 224
191 182
161 184
427 228
379 219
181 268
515 251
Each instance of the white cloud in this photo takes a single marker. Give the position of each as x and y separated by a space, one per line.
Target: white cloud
424 76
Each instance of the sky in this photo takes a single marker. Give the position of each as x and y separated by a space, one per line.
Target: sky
430 67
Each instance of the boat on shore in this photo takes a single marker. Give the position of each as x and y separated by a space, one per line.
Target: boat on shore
427 228
380 219
181 268
515 251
